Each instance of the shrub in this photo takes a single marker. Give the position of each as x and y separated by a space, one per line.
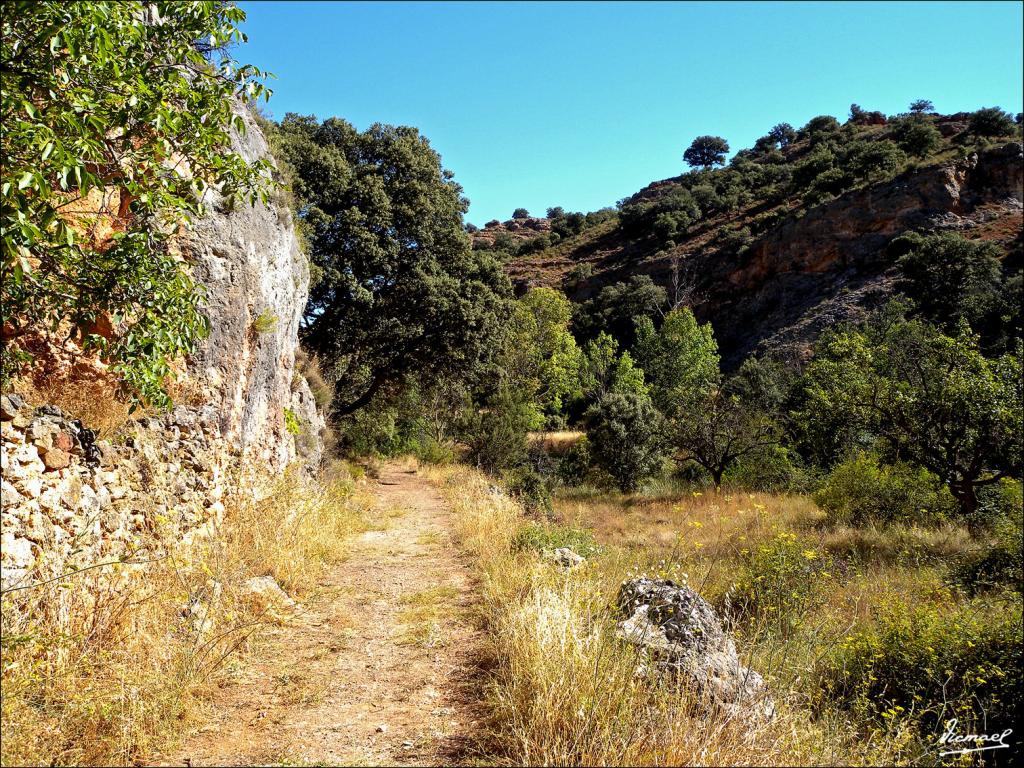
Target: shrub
531 490
862 490
772 468
576 465
991 121
291 422
934 662
1000 559
497 435
520 213
625 435
779 582
539 537
265 322
917 136
309 368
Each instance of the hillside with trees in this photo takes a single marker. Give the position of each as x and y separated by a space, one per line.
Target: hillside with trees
299 467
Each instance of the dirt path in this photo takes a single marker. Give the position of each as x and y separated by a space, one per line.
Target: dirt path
378 671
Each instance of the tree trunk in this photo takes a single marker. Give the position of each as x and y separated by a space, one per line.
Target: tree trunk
716 475
967 497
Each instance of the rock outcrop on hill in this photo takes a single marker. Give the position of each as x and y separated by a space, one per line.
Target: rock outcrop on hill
831 264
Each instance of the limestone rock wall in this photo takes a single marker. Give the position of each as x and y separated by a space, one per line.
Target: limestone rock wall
257 280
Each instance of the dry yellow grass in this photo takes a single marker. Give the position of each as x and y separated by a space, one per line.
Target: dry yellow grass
126 667
563 690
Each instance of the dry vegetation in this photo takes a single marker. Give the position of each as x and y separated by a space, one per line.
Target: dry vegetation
133 664
563 690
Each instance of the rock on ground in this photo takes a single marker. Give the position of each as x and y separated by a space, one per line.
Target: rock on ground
683 636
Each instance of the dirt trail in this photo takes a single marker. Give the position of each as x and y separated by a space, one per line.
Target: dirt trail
379 670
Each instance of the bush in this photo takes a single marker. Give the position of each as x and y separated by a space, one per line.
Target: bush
935 662
917 136
497 435
531 490
991 121
862 490
779 582
547 538
520 213
773 469
1000 560
576 466
625 435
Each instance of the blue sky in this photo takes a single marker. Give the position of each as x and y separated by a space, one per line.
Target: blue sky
580 104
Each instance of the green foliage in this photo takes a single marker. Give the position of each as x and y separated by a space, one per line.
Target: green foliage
603 372
520 213
782 135
496 435
576 465
531 490
73 72
265 322
999 561
291 422
771 468
933 662
538 537
870 160
819 129
863 490
921 107
916 135
543 357
616 307
932 399
402 293
625 433
990 122
680 359
951 278
779 582
706 152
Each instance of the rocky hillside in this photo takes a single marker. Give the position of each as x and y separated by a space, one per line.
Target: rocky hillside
777 262
244 413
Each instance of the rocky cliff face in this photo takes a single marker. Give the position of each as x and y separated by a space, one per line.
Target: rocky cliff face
257 280
830 265
70 501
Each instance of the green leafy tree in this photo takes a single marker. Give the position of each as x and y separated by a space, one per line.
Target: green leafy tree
544 356
819 129
102 104
875 159
950 277
401 293
930 398
520 213
716 428
616 308
706 152
603 371
782 135
922 107
991 121
624 432
680 360
917 136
